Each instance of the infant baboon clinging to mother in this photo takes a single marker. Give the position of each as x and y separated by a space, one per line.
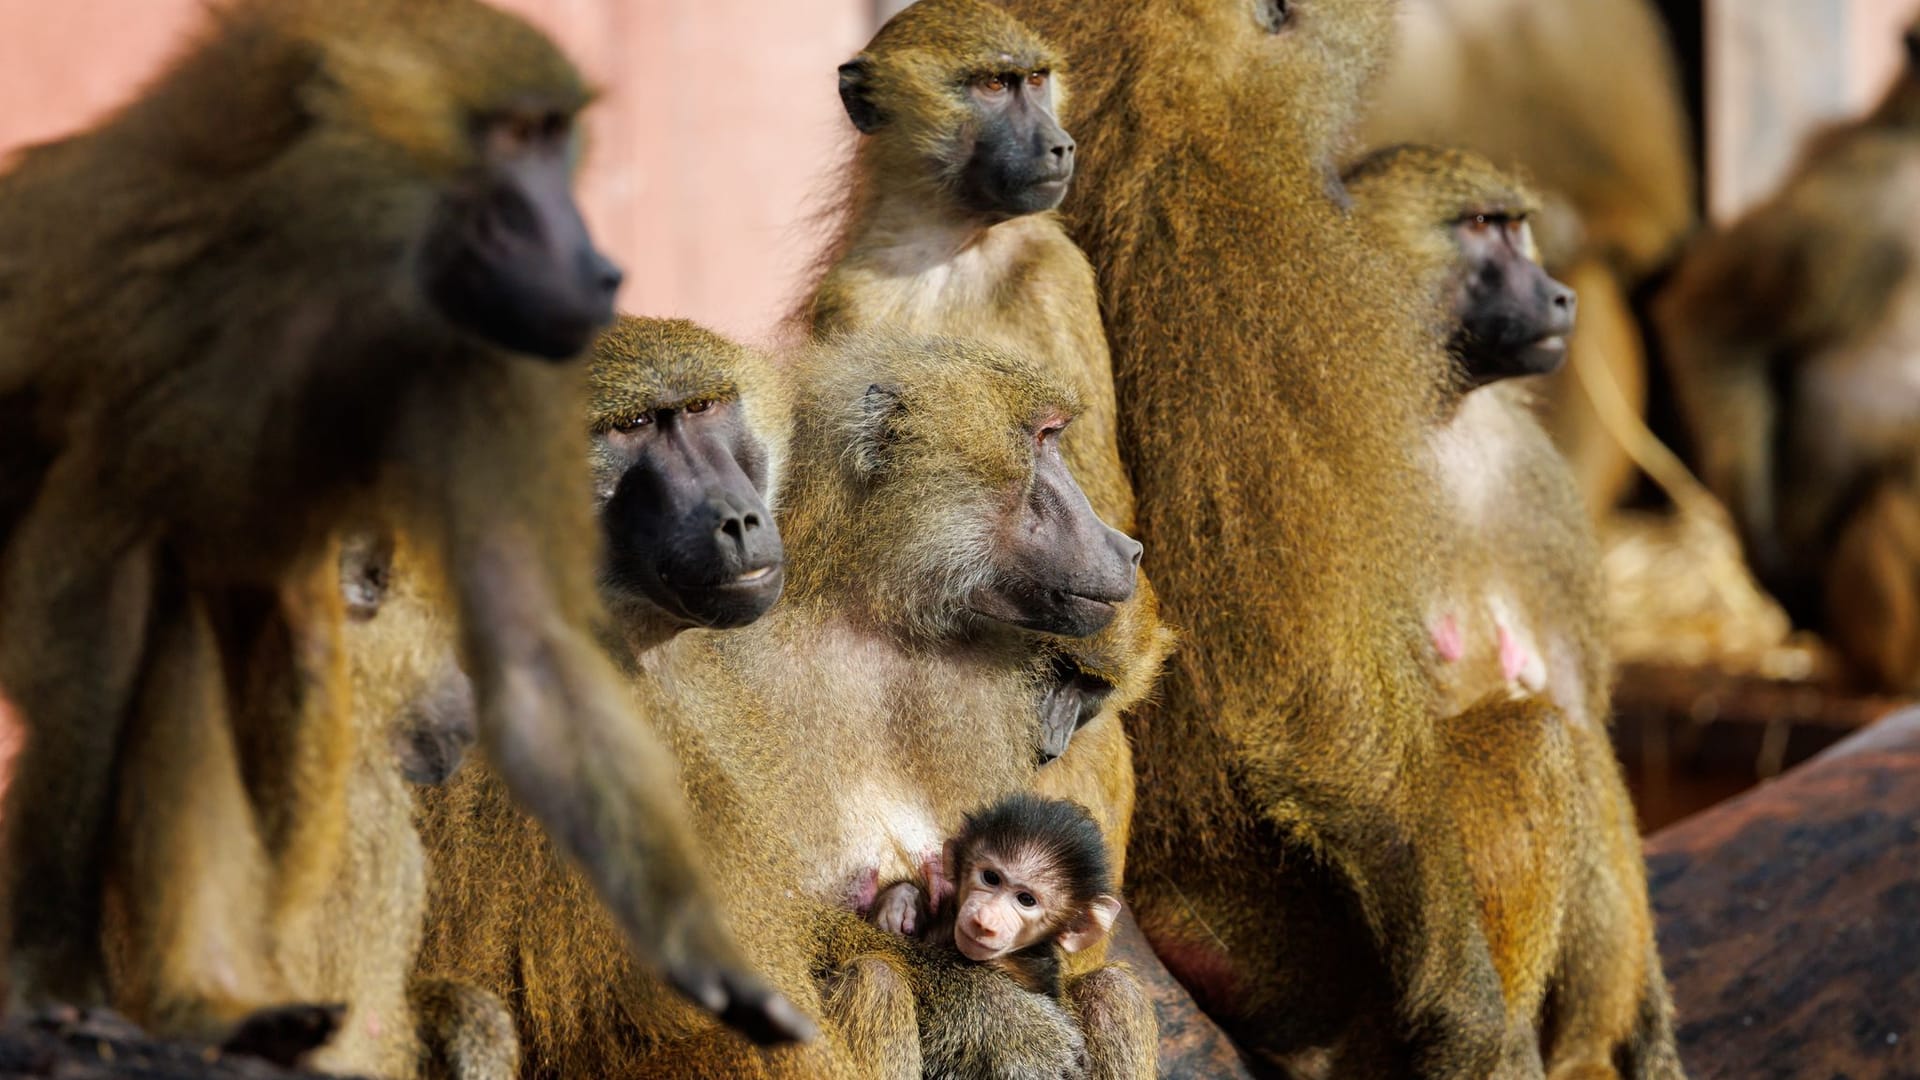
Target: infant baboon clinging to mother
1031 881
834 742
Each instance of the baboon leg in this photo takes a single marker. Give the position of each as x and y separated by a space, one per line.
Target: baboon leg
466 1033
72 631
1115 1014
295 726
194 875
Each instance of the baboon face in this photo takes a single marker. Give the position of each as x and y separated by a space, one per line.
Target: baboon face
1022 159
683 504
508 257
1513 316
960 90
1057 568
949 451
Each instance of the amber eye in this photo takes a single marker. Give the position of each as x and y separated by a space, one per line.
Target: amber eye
699 406
993 84
634 422
1026 899
991 877
1037 80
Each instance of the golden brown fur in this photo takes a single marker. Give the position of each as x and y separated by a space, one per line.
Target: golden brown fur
1544 88
1791 334
909 256
816 745
1524 563
1525 576
1302 858
211 315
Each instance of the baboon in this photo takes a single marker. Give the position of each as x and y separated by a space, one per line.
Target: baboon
1521 605
1522 608
1032 881
1303 857
948 228
818 745
1790 334
321 275
1542 87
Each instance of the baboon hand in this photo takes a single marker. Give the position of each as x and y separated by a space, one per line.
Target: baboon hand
898 909
742 1002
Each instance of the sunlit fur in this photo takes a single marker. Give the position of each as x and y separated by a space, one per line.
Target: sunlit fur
819 741
1523 561
1276 384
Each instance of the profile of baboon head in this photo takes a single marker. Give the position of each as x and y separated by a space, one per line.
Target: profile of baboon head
952 450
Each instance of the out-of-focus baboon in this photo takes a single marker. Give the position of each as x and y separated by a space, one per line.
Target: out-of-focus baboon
1791 335
320 274
1545 88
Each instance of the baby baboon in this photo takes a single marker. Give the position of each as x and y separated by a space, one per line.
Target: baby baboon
1304 859
1791 335
948 228
321 274
836 741
1031 880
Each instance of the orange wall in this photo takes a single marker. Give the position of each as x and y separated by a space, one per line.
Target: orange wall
719 123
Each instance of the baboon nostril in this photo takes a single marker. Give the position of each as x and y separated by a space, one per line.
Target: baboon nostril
733 527
752 521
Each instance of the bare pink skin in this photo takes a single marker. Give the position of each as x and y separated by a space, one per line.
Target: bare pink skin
1513 655
1447 639
865 887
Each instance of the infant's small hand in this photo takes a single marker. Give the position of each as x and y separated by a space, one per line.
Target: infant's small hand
897 910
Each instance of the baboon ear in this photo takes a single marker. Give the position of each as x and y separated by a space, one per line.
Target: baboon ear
881 410
1092 926
856 93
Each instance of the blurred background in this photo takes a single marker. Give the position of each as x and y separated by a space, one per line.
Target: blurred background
1643 121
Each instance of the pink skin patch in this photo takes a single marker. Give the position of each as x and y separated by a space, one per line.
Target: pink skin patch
1447 639
933 867
1206 972
373 1025
865 887
1513 655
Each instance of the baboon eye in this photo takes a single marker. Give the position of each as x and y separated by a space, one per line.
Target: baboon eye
1274 14
1026 899
699 406
634 422
1037 80
991 877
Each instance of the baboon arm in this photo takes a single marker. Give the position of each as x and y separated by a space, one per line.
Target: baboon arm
561 733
